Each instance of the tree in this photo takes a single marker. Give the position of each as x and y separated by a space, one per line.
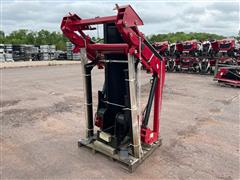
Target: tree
238 36
181 36
2 37
44 37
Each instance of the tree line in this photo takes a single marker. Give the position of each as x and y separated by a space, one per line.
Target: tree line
43 37
181 36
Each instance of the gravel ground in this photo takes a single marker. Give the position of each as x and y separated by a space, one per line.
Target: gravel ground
19 64
42 120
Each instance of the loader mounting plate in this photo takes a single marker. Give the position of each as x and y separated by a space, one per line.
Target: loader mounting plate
130 163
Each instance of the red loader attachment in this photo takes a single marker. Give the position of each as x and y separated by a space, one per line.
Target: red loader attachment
163 49
229 76
123 133
177 55
172 57
208 56
237 52
189 58
203 57
227 65
226 53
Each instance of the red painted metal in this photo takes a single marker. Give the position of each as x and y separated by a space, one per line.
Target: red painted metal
161 47
179 46
93 21
226 48
158 100
190 45
221 76
127 22
109 48
147 135
226 44
188 58
214 45
98 121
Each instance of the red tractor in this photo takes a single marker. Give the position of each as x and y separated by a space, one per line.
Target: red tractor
189 60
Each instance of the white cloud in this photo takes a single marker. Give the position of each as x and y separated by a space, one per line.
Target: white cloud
158 17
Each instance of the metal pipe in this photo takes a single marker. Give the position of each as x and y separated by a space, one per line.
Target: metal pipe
94 21
88 85
111 48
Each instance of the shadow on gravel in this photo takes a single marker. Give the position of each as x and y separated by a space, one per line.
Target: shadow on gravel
18 117
9 103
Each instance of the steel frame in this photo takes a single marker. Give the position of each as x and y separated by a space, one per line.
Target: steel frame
138 152
144 139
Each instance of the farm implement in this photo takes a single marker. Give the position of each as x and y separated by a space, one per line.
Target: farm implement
206 57
123 132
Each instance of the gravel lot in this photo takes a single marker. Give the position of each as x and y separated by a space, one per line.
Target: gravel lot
42 120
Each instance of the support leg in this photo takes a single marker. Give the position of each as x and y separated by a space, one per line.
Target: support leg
136 142
87 88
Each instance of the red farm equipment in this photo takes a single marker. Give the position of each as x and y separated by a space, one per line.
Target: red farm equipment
163 49
237 52
208 56
227 65
175 49
123 132
227 52
228 76
189 58
175 52
218 57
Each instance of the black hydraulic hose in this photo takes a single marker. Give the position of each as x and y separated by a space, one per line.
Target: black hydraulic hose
150 101
153 49
88 85
235 74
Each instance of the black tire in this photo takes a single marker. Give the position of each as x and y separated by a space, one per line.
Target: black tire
204 67
195 68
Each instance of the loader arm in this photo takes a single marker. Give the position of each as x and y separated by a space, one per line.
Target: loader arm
135 44
126 21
